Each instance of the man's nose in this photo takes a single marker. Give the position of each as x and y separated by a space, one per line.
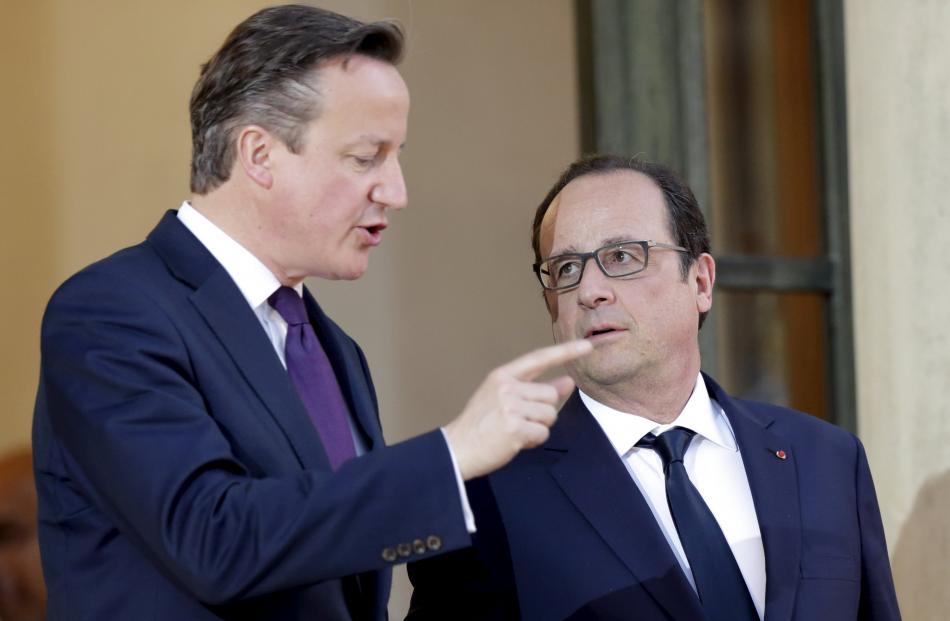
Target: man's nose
390 191
595 288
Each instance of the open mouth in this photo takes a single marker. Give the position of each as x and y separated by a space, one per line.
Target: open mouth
373 233
601 331
375 229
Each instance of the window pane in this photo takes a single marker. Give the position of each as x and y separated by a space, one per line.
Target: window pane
772 347
762 127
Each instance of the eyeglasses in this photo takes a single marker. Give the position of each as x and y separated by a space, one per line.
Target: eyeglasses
616 260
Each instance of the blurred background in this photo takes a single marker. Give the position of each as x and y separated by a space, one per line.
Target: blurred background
815 133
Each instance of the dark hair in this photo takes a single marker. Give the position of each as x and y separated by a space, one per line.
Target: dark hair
685 218
264 74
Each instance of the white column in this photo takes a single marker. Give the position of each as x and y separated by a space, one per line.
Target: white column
898 68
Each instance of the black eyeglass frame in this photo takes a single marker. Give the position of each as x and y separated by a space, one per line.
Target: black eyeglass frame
583 257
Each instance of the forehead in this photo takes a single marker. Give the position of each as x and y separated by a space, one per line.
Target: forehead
599 208
360 90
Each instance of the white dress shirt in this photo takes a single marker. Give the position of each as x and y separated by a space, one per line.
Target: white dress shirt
256 284
714 465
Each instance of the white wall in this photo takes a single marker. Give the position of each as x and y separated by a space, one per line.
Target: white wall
898 66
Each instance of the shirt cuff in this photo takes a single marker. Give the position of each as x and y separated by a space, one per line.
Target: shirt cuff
463 495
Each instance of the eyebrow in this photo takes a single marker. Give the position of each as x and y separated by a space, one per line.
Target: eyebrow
572 249
376 141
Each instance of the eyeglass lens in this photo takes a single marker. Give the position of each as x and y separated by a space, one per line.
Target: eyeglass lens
615 260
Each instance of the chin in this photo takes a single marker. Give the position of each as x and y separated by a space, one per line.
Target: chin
610 377
351 270
351 274
610 370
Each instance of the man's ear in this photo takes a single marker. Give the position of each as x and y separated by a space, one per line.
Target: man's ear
254 155
704 279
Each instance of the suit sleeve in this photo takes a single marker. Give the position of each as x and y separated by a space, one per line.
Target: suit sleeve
878 597
471 584
123 427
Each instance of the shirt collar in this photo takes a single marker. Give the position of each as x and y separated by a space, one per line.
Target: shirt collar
251 276
700 414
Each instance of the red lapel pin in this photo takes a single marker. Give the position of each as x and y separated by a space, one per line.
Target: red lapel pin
780 454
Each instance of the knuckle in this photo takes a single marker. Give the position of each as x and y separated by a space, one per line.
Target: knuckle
537 435
510 426
512 406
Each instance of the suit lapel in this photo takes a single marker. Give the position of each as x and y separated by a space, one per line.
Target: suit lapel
227 313
345 360
774 485
599 485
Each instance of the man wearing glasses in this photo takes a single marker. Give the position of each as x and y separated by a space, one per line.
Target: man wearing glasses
657 495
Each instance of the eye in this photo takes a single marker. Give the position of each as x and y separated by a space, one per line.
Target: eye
567 269
621 257
364 162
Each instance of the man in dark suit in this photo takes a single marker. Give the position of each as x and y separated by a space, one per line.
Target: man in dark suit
206 439
658 496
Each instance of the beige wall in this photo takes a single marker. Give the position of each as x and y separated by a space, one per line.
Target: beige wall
95 95
898 69
27 249
451 294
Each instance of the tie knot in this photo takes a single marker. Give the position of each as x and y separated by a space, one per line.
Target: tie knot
290 306
670 445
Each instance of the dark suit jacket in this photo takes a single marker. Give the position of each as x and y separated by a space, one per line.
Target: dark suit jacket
563 531
179 475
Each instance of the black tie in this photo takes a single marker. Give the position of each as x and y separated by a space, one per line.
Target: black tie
719 582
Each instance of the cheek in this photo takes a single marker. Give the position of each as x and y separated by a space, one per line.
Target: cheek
563 318
550 300
334 213
333 192
665 314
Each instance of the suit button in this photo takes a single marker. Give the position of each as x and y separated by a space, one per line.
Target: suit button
434 543
404 549
389 555
419 546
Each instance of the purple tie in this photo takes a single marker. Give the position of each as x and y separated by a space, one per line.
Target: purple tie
313 378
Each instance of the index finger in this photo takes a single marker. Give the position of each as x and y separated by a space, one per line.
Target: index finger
533 364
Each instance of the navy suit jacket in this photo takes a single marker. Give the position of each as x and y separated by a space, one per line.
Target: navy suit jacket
178 473
564 532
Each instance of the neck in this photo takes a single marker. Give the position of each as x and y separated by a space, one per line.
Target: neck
239 215
657 397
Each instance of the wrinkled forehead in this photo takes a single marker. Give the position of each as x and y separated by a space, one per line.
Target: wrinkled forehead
601 208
